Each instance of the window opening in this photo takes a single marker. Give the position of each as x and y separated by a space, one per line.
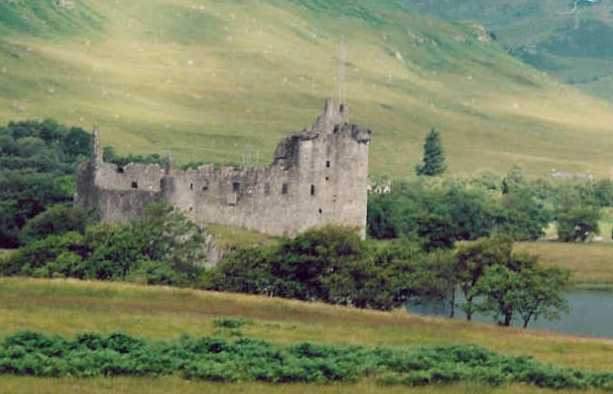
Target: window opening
134 185
312 190
284 189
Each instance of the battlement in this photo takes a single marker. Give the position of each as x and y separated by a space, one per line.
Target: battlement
317 177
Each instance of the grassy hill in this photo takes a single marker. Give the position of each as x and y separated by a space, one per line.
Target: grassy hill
571 43
68 307
219 81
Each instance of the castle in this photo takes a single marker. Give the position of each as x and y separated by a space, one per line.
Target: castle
318 177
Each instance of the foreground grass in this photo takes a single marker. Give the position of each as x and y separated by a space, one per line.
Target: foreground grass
16 385
590 264
68 307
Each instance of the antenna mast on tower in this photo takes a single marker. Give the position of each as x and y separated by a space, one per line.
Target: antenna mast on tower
341 73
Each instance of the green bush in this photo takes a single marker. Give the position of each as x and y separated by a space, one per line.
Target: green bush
247 360
162 248
578 224
329 264
149 272
37 165
231 323
56 220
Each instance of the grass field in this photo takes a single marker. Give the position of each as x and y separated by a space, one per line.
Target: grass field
590 264
211 80
68 307
176 385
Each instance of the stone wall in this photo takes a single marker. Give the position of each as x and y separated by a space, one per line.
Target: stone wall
318 176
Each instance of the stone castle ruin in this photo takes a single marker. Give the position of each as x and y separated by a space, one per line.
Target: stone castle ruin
318 177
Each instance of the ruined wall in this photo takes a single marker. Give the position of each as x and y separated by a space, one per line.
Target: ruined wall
318 177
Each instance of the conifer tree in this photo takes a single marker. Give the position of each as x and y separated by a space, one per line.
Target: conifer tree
434 162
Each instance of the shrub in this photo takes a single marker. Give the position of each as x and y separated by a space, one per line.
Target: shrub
220 360
57 220
149 272
578 224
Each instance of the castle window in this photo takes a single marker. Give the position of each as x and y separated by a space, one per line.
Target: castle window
328 164
205 188
285 188
321 211
134 185
327 178
191 186
267 189
120 170
236 187
312 190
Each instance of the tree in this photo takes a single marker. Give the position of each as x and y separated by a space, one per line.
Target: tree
514 180
473 260
434 162
578 224
521 287
167 235
57 220
523 216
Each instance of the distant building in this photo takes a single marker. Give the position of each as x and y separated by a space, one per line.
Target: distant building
318 177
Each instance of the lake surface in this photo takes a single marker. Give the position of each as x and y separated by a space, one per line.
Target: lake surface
591 314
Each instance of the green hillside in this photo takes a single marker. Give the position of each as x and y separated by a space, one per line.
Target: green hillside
212 80
571 42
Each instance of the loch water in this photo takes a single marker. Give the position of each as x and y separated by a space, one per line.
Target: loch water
591 314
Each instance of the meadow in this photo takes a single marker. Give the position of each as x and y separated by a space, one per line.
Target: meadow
591 264
70 307
225 81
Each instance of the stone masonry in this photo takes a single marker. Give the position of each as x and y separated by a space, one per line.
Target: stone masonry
318 177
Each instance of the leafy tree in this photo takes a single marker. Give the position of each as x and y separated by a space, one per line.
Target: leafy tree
166 234
436 279
302 261
163 241
31 259
514 180
578 224
523 216
521 287
473 260
434 162
243 270
384 278
37 165
57 220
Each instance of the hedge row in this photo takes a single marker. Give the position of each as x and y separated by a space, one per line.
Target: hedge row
218 359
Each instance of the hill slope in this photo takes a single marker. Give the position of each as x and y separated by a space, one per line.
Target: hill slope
570 41
210 80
